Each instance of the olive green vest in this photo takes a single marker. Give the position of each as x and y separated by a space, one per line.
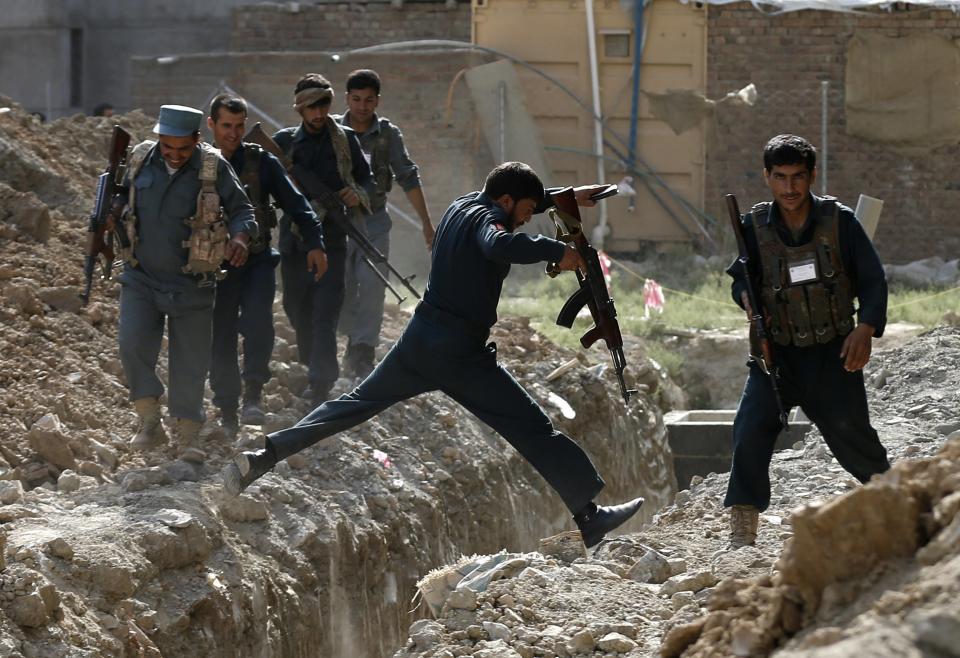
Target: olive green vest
805 289
263 210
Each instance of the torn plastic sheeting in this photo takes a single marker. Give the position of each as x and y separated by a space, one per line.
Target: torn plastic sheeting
684 109
783 6
898 91
473 572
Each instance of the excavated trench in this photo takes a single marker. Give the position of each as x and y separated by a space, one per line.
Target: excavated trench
108 552
321 558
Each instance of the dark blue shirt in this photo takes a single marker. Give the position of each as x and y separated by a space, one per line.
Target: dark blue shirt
296 209
314 151
472 253
860 260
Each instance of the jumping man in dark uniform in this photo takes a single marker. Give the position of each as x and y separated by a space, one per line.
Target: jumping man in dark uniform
814 259
444 348
244 302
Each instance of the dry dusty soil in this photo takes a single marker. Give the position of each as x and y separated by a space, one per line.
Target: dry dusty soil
421 533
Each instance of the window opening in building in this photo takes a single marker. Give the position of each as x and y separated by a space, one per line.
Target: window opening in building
76 67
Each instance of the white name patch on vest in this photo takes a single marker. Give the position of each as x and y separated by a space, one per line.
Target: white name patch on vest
802 271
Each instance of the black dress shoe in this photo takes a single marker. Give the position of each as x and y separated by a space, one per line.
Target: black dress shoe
596 521
245 468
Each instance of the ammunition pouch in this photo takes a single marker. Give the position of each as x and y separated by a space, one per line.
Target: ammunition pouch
207 244
805 290
266 216
380 163
264 211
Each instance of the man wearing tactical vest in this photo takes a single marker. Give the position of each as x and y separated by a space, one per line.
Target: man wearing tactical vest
813 259
331 154
186 214
244 304
382 144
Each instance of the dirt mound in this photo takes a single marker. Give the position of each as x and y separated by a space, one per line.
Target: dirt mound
109 552
851 565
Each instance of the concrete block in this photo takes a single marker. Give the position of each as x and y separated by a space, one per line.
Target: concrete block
702 440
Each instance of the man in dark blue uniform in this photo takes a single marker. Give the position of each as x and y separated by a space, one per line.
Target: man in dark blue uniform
331 153
444 348
814 259
244 301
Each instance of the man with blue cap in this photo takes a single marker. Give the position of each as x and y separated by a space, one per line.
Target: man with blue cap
186 214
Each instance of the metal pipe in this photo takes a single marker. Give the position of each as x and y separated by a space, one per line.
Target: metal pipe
824 108
638 42
600 230
502 91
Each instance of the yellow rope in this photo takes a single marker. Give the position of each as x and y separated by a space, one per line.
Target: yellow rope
923 299
675 292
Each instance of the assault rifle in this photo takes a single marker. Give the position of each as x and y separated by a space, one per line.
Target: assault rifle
761 349
317 192
102 222
593 291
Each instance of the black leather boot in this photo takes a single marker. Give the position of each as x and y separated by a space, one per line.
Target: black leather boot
596 521
247 467
229 422
363 356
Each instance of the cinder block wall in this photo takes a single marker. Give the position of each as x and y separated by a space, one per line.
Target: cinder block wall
445 141
787 56
342 25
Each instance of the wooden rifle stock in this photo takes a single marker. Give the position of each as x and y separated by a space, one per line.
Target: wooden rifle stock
592 292
102 224
761 349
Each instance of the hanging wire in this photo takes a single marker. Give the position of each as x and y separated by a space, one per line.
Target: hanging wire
620 149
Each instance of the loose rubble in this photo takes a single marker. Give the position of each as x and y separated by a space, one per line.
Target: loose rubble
837 567
111 552
108 552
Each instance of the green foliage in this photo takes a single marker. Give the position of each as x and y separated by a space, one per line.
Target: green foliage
925 307
705 303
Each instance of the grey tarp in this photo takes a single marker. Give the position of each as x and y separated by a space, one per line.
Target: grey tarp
903 92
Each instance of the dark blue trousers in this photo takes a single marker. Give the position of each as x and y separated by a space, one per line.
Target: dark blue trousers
243 307
145 310
433 356
835 400
313 308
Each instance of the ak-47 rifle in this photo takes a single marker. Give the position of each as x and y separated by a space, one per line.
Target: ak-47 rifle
761 349
102 222
319 193
593 291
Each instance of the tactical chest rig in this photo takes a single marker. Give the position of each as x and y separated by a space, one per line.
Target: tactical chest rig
264 211
805 289
208 232
380 158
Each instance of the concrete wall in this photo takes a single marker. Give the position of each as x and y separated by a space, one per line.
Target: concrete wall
343 25
35 45
447 145
787 56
